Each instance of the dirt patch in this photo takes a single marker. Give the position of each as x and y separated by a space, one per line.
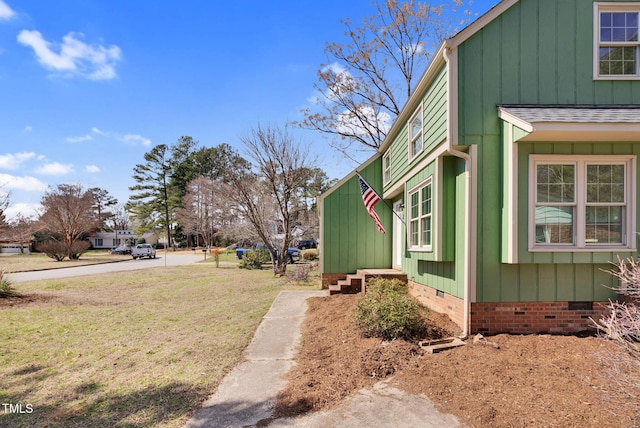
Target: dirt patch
25 300
527 380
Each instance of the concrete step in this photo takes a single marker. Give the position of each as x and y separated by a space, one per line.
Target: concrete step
355 283
334 289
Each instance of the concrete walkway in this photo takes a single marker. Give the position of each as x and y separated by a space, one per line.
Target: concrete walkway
246 396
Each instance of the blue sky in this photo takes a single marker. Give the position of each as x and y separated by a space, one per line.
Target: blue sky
88 86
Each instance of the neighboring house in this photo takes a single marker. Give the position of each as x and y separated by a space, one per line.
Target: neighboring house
120 237
15 248
512 168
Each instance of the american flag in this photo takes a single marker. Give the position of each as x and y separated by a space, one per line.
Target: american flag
370 198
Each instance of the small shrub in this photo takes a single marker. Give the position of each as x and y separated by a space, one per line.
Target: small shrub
300 273
388 312
6 290
310 254
254 259
54 249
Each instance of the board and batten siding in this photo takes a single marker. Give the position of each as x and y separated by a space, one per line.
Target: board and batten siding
422 267
351 240
537 52
434 130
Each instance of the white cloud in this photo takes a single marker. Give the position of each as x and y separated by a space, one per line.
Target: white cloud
5 11
14 160
97 131
54 168
92 168
27 128
80 139
75 57
30 184
136 139
24 209
347 122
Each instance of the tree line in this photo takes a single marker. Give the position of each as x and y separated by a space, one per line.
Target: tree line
193 194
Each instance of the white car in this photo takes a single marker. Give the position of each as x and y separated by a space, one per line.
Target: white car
143 250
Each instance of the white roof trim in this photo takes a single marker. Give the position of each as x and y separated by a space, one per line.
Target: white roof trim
416 96
349 176
477 25
574 123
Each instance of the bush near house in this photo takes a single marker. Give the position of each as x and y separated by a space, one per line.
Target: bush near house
254 259
59 250
388 312
310 255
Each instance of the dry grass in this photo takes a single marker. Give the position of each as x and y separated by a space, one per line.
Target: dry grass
141 348
38 261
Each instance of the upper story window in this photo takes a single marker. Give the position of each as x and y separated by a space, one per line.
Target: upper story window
582 202
420 216
617 44
386 167
415 133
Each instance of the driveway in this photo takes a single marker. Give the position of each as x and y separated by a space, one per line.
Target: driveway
162 259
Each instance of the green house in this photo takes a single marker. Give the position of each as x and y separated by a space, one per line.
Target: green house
510 178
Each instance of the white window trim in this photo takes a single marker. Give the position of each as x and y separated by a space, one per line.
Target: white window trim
418 188
412 138
580 245
386 169
612 7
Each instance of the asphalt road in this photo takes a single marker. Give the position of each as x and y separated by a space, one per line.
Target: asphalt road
162 259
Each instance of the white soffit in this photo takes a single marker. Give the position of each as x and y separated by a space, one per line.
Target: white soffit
574 123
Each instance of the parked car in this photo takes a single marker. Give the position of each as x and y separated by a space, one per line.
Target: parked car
304 244
122 249
293 254
143 250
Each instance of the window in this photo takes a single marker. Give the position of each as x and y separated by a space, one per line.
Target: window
98 242
386 167
581 202
415 134
616 41
420 223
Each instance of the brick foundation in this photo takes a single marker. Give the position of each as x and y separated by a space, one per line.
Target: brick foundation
505 317
439 301
513 317
535 317
331 278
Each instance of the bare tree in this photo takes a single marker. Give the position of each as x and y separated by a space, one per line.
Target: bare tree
366 81
21 230
67 212
4 204
120 218
206 209
265 197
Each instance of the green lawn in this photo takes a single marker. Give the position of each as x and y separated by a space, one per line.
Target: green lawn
141 349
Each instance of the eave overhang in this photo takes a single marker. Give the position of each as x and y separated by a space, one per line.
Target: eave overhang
586 123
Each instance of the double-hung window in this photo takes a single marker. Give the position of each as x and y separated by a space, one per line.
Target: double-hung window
581 202
420 220
415 133
386 167
617 44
